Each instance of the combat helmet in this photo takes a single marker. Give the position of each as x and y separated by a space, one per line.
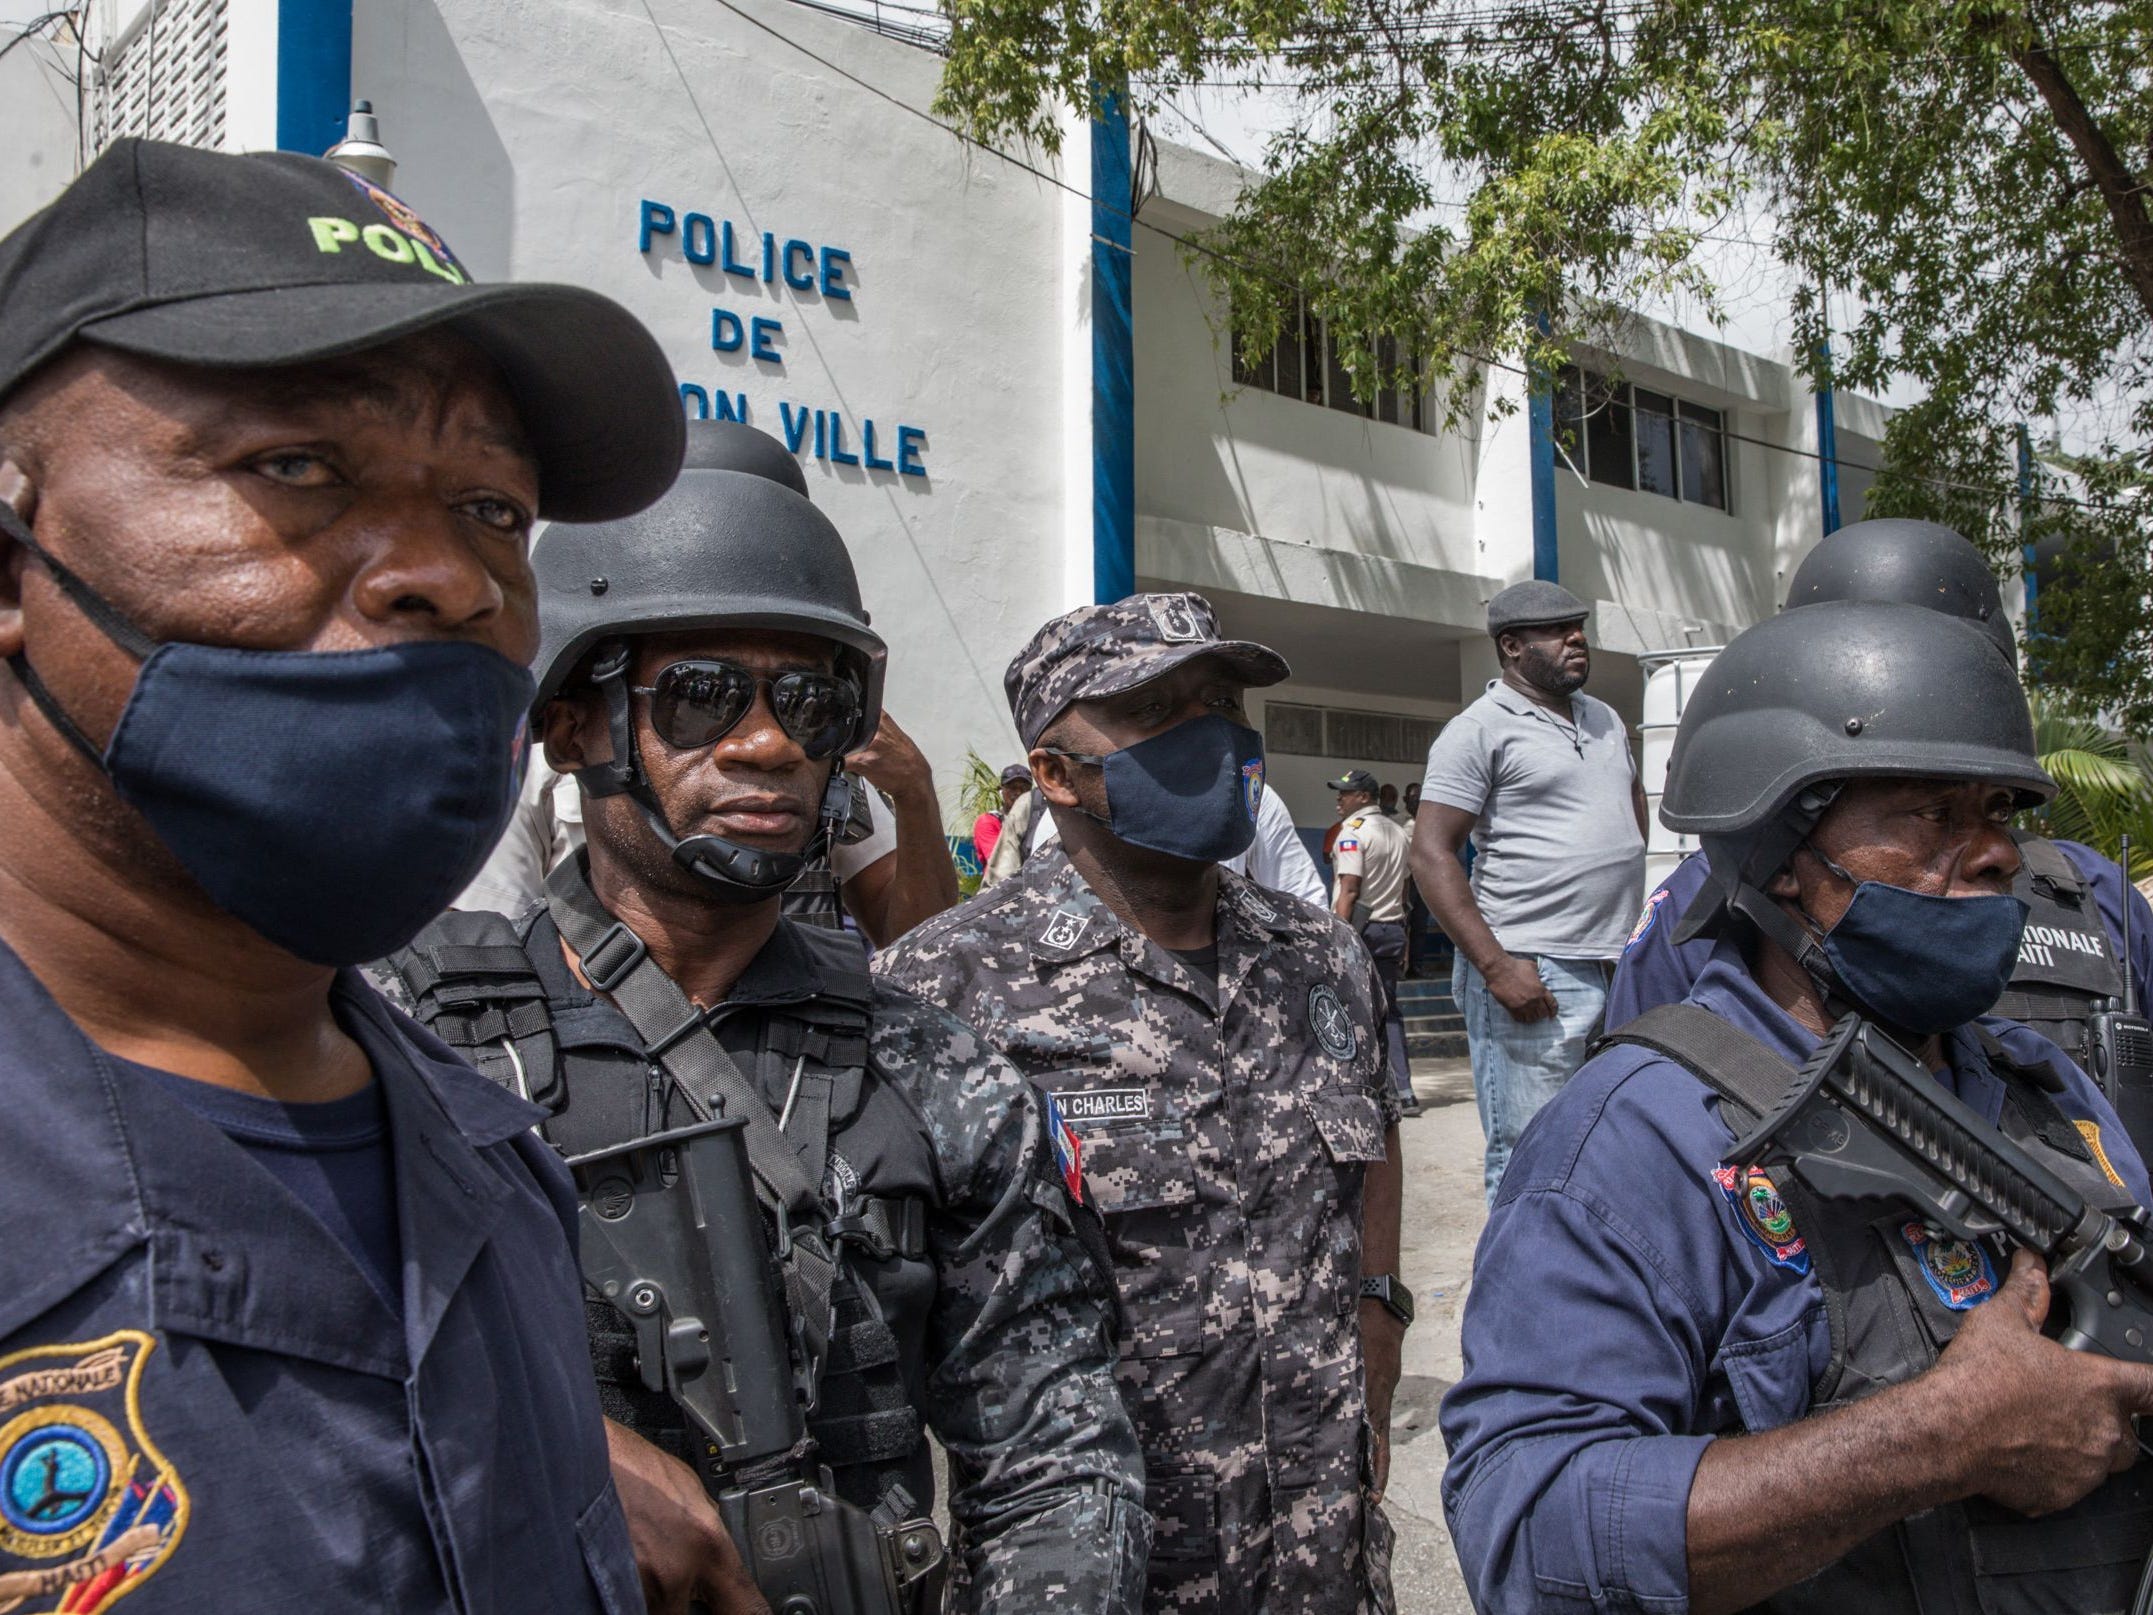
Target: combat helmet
734 543
1894 560
1803 702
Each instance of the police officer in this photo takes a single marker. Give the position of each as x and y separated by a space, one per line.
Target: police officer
1909 1439
703 667
288 1298
2071 963
1212 1051
1369 863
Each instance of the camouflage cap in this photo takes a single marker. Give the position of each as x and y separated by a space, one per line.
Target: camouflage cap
1104 650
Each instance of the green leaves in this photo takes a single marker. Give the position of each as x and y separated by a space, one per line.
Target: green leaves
2103 791
1930 171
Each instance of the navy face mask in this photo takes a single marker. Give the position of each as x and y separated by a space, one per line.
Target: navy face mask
1191 791
1923 963
335 801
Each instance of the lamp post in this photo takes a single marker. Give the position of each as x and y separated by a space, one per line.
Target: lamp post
361 150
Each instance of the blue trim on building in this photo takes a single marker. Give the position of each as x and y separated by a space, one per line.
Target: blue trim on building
1828 450
313 73
1540 451
1113 357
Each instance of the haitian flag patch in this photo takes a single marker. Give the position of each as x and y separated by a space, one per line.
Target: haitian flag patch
1763 1215
1068 1150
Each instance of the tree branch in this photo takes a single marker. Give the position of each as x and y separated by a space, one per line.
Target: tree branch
2120 189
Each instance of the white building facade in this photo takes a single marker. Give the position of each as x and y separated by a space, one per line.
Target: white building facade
1009 396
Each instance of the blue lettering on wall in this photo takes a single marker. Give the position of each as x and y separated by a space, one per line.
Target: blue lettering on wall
867 447
699 239
795 425
657 221
803 266
731 265
835 261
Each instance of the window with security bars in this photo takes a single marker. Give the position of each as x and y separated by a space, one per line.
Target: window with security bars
1295 730
1633 437
165 78
1305 363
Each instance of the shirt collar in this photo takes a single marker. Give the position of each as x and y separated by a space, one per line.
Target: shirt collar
77 1190
1524 706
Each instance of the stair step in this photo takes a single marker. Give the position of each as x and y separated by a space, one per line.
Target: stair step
1436 1045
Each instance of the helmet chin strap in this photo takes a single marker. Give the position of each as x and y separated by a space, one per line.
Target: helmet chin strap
729 872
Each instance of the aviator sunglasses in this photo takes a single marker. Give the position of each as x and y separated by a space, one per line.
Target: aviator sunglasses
695 704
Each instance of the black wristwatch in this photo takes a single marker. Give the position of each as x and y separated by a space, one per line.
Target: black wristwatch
1389 1289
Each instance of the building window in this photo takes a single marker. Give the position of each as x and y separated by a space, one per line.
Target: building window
1633 437
1304 363
1293 730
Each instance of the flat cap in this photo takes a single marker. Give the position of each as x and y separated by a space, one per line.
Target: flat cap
1533 602
1104 650
1354 779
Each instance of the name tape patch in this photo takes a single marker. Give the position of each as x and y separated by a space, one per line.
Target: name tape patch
1105 1104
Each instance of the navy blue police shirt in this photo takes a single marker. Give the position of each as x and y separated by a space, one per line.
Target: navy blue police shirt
1654 969
203 1393
1627 1309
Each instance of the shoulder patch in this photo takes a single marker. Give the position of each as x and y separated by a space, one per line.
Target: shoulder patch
1645 918
1763 1215
1958 1270
1064 929
1332 1025
89 1508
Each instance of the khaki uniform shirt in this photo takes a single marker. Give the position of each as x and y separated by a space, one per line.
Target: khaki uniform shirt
1373 847
1221 1125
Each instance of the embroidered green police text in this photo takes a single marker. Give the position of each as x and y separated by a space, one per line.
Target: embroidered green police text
383 241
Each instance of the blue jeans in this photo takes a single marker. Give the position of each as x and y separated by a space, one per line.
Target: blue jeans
1519 1065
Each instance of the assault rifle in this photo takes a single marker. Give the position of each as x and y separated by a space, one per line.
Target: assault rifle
673 1238
1863 1121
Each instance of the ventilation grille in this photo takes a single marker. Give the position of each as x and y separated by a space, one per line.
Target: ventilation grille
164 80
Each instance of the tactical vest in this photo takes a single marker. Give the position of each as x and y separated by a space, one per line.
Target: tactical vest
1887 1283
2067 961
501 995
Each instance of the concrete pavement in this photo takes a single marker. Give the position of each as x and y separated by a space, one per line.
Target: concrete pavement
1443 1213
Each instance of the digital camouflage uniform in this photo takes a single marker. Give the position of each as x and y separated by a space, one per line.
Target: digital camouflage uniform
1224 1127
1000 1328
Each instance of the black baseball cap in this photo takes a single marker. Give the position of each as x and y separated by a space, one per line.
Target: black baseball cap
236 262
1016 774
1358 779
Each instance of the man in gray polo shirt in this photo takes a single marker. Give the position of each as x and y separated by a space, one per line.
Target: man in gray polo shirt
1539 774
